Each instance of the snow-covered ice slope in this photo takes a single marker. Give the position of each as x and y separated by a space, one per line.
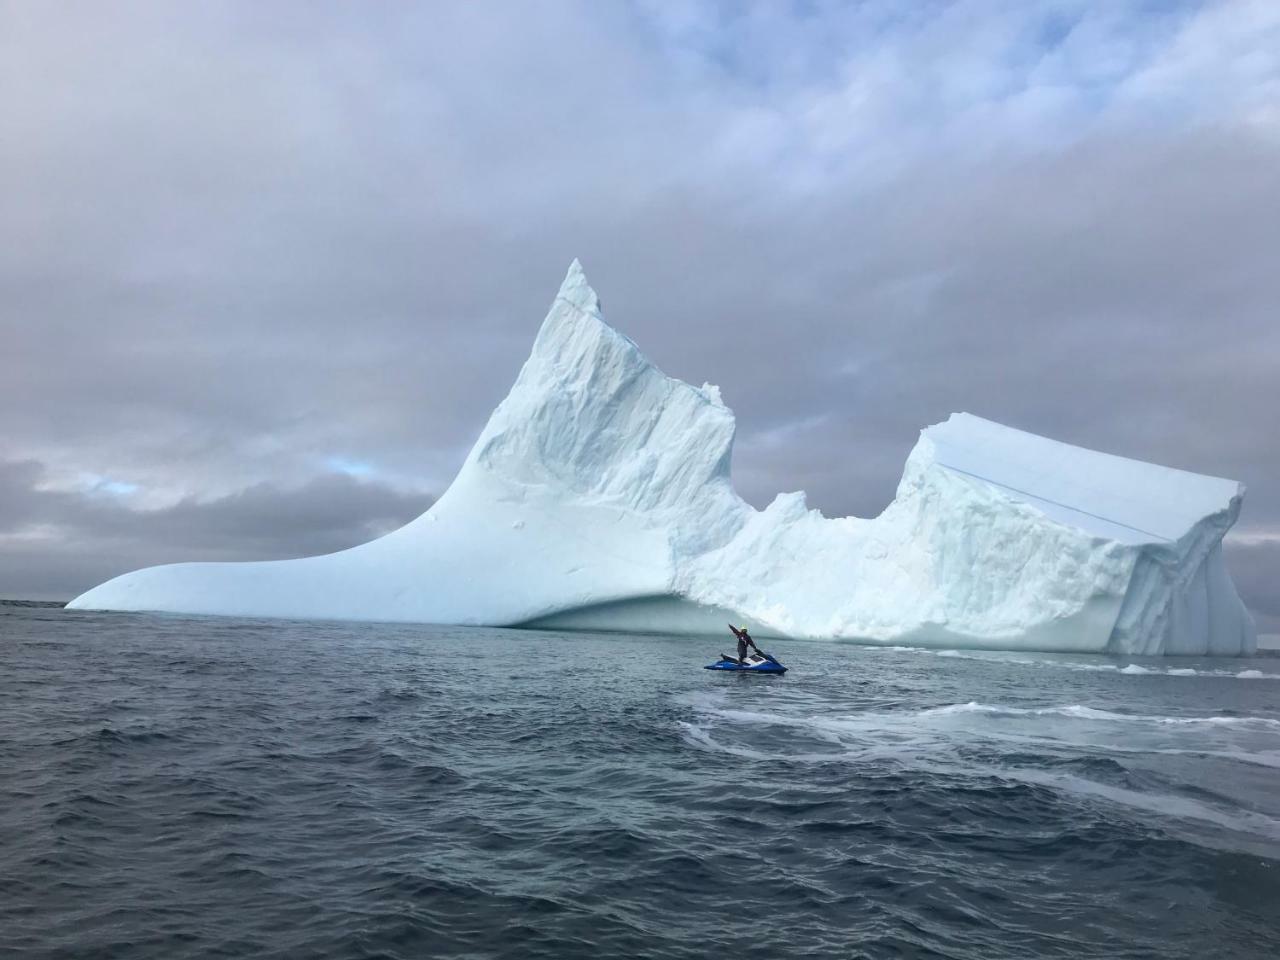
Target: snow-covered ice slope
599 496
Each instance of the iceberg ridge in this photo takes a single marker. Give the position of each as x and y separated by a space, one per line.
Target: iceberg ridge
598 496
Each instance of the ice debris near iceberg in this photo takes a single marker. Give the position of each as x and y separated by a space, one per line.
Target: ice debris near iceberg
599 497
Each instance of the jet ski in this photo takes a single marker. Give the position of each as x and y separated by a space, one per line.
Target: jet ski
755 663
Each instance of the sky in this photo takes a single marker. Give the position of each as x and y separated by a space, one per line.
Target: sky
265 269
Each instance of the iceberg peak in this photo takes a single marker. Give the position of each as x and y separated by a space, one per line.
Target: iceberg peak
576 290
598 495
574 335
590 413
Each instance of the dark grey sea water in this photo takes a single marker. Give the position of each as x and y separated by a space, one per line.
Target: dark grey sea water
182 787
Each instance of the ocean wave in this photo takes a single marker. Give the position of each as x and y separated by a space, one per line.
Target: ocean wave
1129 669
603 796
1081 712
1074 711
1164 805
933 734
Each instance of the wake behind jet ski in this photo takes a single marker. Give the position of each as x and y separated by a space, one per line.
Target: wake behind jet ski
758 662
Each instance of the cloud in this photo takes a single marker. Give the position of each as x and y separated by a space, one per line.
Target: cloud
243 240
56 543
1254 565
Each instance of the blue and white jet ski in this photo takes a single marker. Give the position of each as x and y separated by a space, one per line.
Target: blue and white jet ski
755 663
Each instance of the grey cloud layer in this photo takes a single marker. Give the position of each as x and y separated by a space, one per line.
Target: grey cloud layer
51 541
241 240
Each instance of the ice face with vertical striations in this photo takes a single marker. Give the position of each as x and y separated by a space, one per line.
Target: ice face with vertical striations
598 496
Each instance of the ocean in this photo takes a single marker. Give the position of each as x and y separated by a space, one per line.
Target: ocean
175 787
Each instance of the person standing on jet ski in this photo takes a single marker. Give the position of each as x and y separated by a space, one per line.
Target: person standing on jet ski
744 641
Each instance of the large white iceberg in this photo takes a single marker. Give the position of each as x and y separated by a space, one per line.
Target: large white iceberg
599 497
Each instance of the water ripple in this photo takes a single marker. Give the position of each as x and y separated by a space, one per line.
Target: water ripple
187 787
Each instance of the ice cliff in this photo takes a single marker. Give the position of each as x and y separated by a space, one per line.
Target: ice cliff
599 496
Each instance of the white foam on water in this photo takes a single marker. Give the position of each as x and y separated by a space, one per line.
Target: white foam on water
896 718
868 736
972 737
1131 669
1081 712
912 735
1162 804
700 736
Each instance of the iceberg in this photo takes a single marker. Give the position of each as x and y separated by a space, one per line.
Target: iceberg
599 497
